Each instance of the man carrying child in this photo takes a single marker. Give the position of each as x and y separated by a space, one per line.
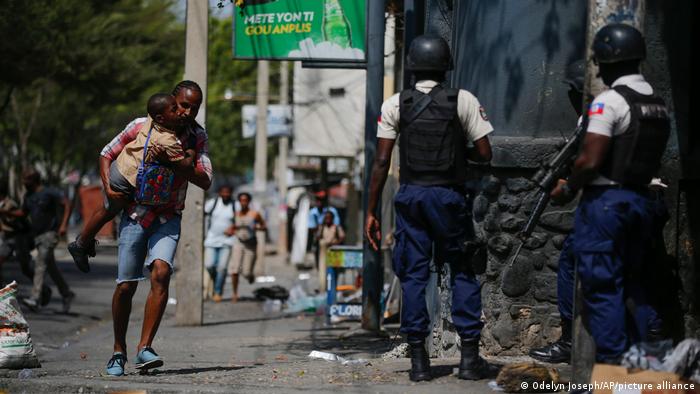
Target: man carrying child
148 234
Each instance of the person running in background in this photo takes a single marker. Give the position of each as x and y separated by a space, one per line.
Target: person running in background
328 234
163 145
217 244
16 239
47 210
246 223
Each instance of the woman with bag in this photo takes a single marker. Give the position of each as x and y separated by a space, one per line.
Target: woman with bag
246 222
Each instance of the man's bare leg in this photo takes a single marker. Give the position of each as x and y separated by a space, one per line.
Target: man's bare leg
155 303
234 282
121 309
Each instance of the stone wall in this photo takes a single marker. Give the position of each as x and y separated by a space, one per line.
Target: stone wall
519 294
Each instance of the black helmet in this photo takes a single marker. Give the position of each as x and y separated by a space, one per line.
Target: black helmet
575 74
618 42
429 53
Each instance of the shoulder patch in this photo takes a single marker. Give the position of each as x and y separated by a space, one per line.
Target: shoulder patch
596 109
482 112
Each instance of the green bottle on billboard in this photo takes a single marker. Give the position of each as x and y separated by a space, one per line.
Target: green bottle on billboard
336 28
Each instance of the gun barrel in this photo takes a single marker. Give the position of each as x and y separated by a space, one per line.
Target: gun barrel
540 206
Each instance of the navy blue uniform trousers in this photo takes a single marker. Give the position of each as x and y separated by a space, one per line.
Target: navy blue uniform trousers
432 223
612 234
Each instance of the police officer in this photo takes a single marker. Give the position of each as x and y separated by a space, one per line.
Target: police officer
626 136
435 124
560 351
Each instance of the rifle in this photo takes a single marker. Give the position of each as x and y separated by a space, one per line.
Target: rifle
546 179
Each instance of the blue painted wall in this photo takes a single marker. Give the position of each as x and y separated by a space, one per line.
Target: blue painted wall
512 54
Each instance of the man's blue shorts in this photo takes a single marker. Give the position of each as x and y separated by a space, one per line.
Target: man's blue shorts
157 242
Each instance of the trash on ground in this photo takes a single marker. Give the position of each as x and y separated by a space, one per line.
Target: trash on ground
172 301
307 303
683 360
400 351
265 279
304 276
521 378
334 357
25 374
494 386
647 355
272 306
16 348
271 293
299 301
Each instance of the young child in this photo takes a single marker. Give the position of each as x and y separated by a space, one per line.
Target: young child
162 111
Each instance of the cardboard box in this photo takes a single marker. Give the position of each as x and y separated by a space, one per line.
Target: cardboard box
613 379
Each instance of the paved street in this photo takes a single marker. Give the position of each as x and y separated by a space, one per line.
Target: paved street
239 348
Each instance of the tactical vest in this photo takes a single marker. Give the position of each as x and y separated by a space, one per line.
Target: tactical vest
432 144
635 155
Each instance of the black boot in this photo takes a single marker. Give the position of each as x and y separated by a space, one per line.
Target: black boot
557 352
472 366
420 363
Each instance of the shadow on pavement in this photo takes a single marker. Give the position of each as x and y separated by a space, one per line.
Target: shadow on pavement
188 371
241 321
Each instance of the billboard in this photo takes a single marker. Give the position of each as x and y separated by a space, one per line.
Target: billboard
279 120
331 30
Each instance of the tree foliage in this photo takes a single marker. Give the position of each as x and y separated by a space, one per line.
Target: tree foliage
74 72
230 152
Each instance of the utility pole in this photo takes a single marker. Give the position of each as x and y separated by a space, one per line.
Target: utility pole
372 269
262 97
282 164
188 282
599 14
260 180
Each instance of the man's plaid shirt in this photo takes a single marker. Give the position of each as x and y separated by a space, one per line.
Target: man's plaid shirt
196 137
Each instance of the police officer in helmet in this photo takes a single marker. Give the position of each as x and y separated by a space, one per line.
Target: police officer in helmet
628 128
435 124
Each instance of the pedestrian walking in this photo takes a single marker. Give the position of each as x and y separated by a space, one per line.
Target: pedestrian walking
47 210
148 234
315 221
628 128
436 123
246 223
219 213
329 234
16 240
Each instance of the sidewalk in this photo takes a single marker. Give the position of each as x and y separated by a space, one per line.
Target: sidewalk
238 349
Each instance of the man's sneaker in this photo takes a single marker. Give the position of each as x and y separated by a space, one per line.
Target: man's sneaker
81 252
30 303
147 359
45 295
115 365
67 300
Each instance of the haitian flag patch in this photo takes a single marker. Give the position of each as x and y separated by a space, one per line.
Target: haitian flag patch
482 112
596 109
